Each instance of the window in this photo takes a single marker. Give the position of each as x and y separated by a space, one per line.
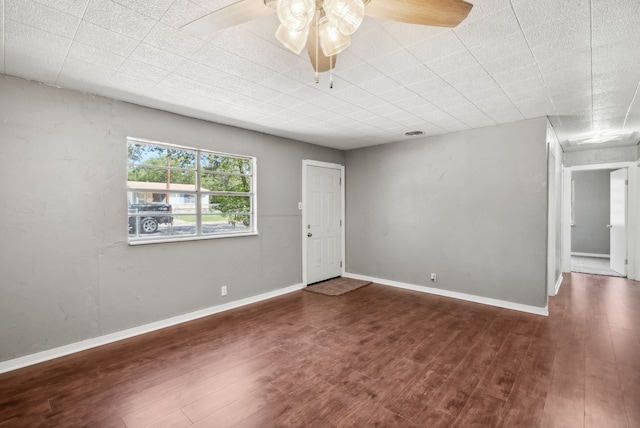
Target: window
181 193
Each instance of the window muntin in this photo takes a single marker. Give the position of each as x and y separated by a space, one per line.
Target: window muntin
210 194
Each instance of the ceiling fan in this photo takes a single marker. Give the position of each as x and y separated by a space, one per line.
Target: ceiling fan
325 26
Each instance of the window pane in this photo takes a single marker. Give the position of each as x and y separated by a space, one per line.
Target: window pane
184 159
147 175
156 179
148 228
214 162
184 225
230 204
226 214
185 222
148 219
225 183
161 220
239 224
146 154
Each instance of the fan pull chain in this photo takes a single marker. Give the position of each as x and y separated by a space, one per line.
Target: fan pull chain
331 72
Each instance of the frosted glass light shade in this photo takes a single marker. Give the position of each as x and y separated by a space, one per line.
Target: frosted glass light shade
332 41
295 41
295 15
346 14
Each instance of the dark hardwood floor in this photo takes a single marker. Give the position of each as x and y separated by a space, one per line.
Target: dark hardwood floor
375 357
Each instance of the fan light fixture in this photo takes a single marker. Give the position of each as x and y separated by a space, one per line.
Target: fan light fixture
335 20
295 41
332 40
327 25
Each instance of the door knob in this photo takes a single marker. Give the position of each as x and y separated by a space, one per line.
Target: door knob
309 234
609 225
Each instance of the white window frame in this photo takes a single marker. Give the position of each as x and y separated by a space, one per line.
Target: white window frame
199 193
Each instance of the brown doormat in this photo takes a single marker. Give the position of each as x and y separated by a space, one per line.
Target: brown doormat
336 286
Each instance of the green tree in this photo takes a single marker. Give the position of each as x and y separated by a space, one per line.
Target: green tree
143 158
228 174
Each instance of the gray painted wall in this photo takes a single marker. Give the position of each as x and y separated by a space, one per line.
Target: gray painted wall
470 206
66 271
590 234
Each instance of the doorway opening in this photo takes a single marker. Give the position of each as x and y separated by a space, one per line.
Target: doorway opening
598 220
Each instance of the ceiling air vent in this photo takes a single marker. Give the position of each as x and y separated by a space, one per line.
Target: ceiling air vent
413 133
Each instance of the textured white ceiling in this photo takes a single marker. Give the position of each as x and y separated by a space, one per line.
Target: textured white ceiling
576 61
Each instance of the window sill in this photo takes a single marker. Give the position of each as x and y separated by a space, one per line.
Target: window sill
191 238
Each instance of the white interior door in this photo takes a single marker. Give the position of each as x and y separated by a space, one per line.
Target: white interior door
324 223
618 221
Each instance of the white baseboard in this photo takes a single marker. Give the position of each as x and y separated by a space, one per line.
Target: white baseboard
50 354
602 256
454 294
558 284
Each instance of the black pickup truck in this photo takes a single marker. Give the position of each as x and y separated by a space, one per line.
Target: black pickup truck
148 216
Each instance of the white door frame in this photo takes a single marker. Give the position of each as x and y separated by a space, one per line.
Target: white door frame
633 211
306 163
618 253
552 212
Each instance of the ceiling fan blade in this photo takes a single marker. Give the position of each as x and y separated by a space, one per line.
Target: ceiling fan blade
235 14
323 63
437 13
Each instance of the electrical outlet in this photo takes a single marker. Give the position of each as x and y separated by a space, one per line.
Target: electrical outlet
300 206
223 290
434 277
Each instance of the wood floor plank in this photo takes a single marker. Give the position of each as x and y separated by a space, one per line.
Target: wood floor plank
598 343
24 408
437 338
409 400
197 392
393 378
626 346
330 404
569 372
425 387
379 356
382 417
604 403
81 418
175 419
528 325
368 415
359 386
458 387
526 402
481 410
560 412
275 410
501 375
214 402
430 417
630 384
241 408
500 327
